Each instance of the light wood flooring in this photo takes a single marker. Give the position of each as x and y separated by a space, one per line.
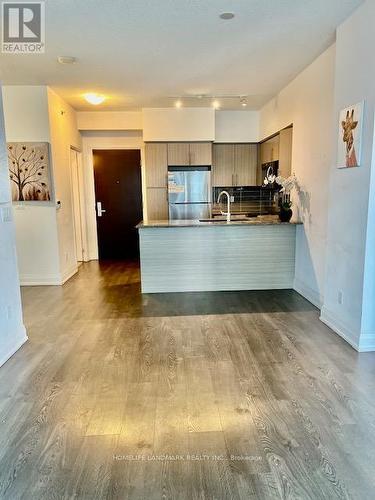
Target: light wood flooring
234 395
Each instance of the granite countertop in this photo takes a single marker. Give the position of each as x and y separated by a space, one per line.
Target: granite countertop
251 221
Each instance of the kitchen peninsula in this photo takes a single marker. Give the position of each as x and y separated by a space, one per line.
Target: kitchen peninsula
190 256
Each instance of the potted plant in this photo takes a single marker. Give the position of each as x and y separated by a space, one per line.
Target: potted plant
287 184
286 211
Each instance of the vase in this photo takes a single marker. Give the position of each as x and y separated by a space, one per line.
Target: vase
285 215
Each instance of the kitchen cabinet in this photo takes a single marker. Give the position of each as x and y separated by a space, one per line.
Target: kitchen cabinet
178 153
234 164
157 203
200 153
189 153
245 164
156 164
269 150
285 152
223 165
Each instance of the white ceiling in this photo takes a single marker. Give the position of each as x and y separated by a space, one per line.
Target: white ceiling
139 52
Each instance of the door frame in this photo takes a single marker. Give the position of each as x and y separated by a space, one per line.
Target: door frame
132 140
81 201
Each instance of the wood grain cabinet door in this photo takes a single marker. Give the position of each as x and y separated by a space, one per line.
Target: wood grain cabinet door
179 153
157 204
245 164
285 152
223 165
156 164
200 153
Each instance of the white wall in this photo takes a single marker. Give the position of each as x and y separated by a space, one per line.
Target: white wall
351 224
185 124
237 126
109 120
64 134
26 119
103 140
307 102
45 238
12 330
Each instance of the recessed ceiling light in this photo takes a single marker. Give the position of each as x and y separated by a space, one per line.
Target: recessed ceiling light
66 59
93 98
216 104
243 101
227 16
178 103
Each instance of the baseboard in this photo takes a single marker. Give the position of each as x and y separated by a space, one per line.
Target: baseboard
308 293
15 348
68 274
35 280
338 327
47 280
367 342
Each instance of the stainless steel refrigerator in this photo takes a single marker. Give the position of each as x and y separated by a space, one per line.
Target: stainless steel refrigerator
189 192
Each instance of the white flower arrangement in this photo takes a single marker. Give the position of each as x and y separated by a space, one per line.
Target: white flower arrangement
286 183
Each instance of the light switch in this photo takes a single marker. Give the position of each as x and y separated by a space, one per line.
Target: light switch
6 214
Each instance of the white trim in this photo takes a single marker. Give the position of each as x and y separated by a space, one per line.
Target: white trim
68 274
367 342
39 280
49 280
15 348
335 324
308 293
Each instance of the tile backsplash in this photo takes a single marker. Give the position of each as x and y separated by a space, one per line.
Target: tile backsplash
252 200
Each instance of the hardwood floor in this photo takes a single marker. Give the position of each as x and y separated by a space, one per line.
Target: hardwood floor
232 395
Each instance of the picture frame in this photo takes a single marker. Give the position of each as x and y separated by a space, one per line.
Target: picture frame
30 171
349 145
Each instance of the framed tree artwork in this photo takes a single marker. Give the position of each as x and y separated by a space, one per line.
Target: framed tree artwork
29 171
350 136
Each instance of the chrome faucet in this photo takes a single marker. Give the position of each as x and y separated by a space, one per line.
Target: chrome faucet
227 213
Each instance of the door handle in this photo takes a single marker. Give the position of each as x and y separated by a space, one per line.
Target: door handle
99 208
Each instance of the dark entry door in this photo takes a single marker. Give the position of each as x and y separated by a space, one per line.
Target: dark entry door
118 194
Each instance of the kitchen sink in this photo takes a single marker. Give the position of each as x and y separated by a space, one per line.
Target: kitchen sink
223 219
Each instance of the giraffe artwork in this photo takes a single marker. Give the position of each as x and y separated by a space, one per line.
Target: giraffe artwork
350 132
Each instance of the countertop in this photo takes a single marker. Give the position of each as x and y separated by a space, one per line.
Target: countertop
252 221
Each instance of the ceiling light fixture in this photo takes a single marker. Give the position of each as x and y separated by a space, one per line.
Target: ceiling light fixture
93 98
215 104
226 16
66 60
178 104
243 101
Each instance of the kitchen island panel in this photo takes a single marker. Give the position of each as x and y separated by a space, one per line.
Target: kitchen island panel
187 259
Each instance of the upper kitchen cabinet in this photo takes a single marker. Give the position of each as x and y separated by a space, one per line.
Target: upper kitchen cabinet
285 152
235 164
178 153
200 153
189 154
245 164
156 164
223 165
269 150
